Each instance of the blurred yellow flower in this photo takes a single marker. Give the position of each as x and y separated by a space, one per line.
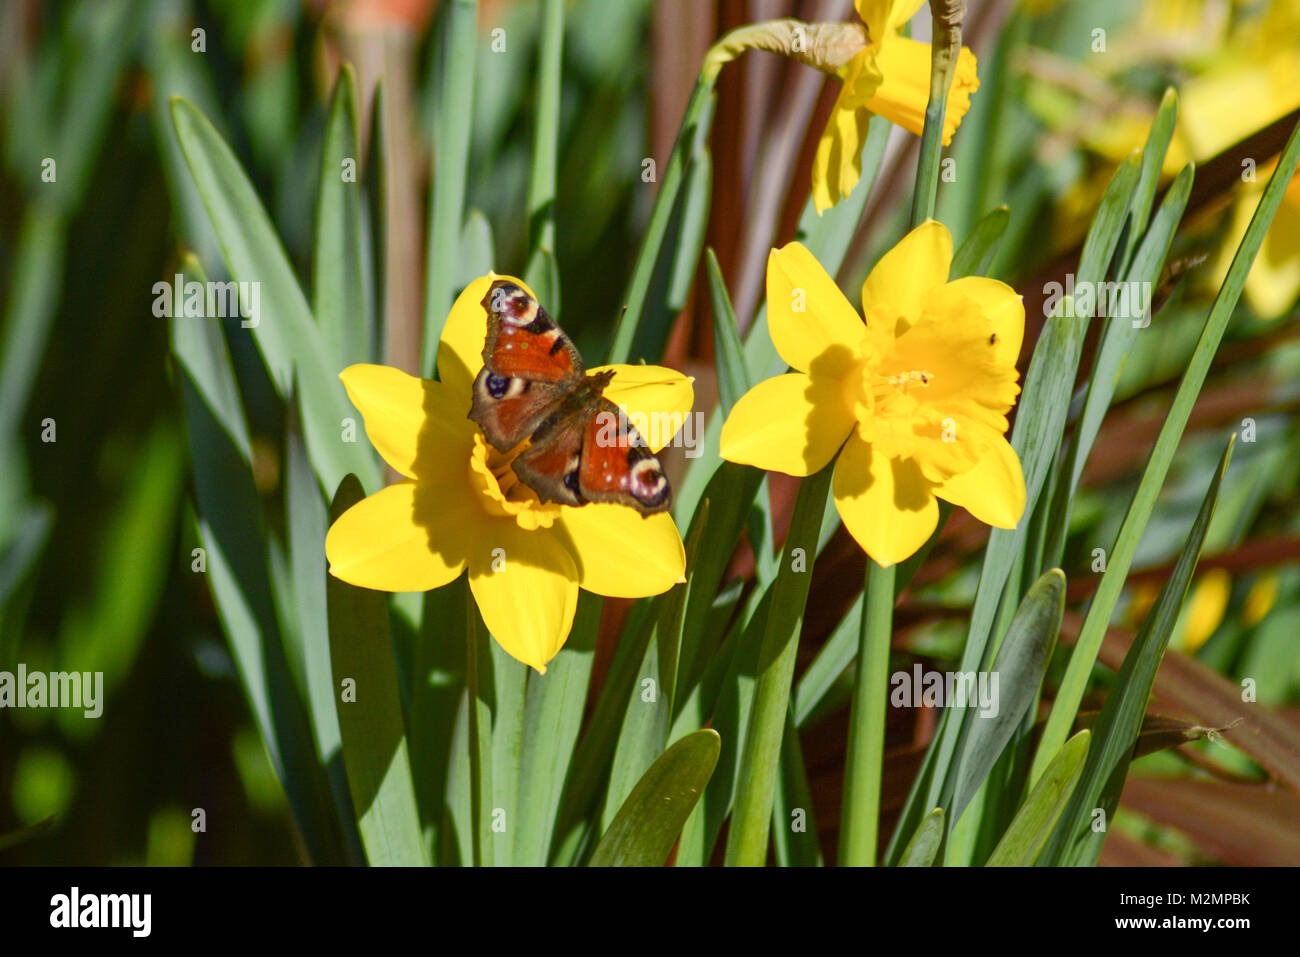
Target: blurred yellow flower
460 505
1204 609
890 78
1259 600
1273 283
1251 80
912 400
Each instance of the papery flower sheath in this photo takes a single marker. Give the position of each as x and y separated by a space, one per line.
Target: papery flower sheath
460 505
890 77
910 401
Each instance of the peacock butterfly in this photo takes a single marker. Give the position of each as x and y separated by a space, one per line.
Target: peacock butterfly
534 386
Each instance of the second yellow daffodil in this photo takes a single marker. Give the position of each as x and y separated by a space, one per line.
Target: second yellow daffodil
890 77
910 399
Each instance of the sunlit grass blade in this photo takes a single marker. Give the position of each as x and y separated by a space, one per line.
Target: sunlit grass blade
691 139
973 256
733 376
370 714
1019 665
922 849
718 523
866 745
650 706
1023 840
508 692
1118 727
476 253
1121 555
289 341
794 826
339 299
456 66
31 298
235 557
481 708
552 719
437 697
1153 159
695 210
760 759
728 709
307 523
541 273
590 768
647 825
1115 345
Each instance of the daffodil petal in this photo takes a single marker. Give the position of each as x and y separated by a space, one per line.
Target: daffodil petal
993 491
886 504
791 423
1000 303
657 400
622 554
904 93
897 286
460 348
413 423
406 537
809 319
525 584
885 16
837 164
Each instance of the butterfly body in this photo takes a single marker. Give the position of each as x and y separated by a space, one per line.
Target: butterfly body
534 387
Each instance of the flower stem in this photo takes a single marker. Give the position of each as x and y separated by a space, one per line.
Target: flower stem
760 759
945 45
480 733
862 775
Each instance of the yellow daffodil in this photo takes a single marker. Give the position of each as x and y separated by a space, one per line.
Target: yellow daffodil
461 507
912 400
890 77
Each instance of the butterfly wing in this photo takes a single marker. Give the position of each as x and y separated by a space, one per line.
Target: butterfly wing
551 464
617 466
588 452
529 366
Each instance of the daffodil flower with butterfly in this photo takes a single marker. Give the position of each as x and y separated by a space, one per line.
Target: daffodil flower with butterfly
524 495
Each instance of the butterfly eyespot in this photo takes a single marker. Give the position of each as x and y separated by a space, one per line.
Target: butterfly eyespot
571 482
497 385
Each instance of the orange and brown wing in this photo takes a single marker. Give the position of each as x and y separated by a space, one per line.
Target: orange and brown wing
617 466
529 366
